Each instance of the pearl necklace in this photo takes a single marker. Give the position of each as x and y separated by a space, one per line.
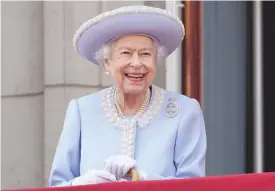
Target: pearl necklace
141 110
129 134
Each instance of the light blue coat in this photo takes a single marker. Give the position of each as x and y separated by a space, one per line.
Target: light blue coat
169 141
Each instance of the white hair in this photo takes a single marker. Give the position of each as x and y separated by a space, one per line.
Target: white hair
104 53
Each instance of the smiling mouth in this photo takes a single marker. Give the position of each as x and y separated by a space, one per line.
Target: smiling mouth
135 77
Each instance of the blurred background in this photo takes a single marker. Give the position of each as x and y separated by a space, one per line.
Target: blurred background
227 62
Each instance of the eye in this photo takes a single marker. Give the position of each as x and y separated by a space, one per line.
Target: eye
125 52
146 53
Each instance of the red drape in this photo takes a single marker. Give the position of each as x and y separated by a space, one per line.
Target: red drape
247 182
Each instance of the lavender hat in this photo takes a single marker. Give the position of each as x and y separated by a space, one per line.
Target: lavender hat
156 23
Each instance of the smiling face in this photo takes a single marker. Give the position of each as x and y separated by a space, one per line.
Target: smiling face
132 63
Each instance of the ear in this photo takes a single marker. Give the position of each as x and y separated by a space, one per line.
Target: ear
106 64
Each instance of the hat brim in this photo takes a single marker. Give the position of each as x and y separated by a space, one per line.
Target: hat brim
167 31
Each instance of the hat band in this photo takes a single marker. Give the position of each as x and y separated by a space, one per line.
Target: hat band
136 34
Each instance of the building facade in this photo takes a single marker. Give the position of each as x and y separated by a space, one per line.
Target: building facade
41 73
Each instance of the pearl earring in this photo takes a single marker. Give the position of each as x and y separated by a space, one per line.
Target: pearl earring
107 73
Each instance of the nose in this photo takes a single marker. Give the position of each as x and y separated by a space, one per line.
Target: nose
136 63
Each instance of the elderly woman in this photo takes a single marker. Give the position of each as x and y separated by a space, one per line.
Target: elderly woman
133 124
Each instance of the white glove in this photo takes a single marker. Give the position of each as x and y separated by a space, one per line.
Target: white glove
119 165
94 177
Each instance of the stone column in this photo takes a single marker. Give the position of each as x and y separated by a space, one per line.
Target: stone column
22 94
67 75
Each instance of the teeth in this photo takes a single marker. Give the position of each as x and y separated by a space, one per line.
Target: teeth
135 75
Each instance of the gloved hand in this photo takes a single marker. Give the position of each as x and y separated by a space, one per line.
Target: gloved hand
119 165
94 177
